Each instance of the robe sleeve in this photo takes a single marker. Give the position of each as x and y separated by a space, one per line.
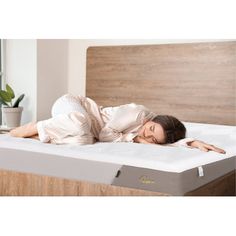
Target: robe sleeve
56 129
123 118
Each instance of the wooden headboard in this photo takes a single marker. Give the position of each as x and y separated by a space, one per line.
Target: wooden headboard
195 82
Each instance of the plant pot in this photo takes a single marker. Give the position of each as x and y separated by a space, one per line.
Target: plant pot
12 116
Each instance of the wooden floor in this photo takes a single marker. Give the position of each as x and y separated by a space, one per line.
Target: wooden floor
24 184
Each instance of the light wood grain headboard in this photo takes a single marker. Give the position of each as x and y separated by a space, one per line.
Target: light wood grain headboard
195 82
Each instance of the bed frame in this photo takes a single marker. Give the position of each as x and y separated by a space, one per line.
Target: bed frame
22 184
194 82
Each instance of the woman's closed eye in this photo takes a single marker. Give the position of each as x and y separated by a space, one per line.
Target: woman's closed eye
152 128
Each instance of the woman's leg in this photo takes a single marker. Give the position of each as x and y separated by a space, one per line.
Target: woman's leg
67 104
63 105
25 131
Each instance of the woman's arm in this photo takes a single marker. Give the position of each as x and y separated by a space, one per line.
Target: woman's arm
193 144
205 146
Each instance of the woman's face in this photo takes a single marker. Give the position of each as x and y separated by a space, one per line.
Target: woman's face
152 132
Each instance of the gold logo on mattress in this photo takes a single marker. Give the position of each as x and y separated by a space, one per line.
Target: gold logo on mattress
145 180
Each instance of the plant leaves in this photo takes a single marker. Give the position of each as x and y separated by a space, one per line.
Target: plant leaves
10 91
2 102
16 104
5 96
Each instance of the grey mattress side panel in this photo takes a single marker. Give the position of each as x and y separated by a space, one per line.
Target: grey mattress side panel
170 182
191 179
57 166
147 179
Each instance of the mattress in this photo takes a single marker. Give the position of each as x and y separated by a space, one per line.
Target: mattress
173 170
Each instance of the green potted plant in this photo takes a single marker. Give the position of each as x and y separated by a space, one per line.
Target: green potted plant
11 110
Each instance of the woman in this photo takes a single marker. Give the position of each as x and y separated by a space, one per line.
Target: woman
78 119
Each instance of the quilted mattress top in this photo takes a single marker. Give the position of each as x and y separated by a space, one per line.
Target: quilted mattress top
157 157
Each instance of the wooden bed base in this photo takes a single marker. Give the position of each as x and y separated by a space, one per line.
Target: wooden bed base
23 184
223 186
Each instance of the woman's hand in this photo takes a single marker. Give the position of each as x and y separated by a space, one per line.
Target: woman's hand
205 146
139 139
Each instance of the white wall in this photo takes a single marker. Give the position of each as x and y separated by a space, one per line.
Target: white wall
39 69
52 74
20 72
77 56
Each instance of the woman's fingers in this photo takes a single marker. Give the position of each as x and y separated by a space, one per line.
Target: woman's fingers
206 147
215 149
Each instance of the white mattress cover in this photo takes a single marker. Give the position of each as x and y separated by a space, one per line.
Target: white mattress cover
157 157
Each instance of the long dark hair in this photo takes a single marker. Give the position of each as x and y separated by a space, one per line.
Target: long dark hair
174 130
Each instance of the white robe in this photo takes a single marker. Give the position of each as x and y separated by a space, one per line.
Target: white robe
78 119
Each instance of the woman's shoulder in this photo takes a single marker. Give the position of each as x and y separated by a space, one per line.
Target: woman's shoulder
140 112
134 106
